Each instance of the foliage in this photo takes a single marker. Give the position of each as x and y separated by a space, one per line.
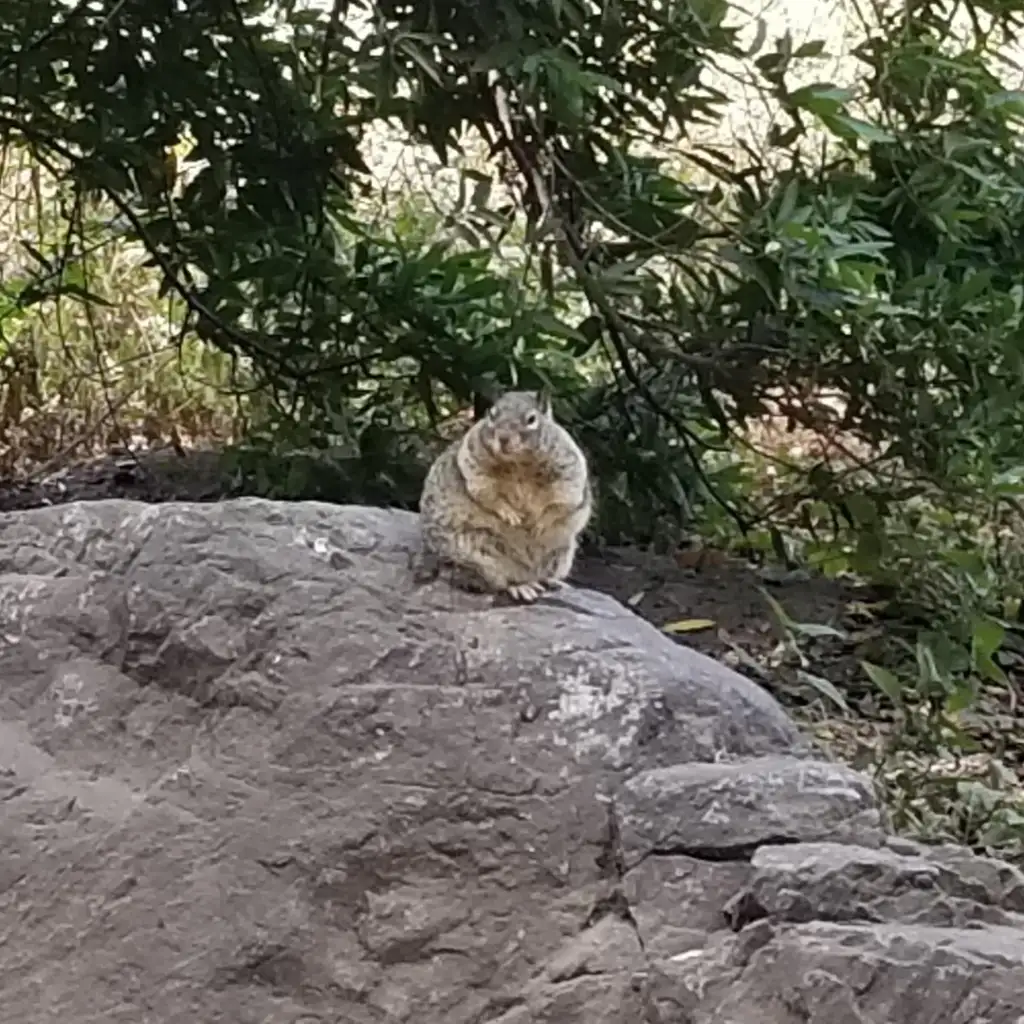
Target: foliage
885 267
930 656
261 242
90 358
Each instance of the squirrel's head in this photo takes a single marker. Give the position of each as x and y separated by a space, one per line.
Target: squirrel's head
515 423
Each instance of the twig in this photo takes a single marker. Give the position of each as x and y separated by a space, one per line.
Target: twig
94 428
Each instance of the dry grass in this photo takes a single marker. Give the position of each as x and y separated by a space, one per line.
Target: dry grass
78 378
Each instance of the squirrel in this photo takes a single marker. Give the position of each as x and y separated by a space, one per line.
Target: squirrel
505 505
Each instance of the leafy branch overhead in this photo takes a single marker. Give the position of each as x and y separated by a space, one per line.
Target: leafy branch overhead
864 244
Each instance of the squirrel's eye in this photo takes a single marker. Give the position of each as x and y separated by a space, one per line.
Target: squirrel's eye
531 419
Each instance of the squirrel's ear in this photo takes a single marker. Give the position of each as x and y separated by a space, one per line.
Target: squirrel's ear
544 401
483 398
481 403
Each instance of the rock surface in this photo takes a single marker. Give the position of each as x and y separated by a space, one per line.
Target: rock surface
250 773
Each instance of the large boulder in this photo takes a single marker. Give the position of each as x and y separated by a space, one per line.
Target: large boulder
251 773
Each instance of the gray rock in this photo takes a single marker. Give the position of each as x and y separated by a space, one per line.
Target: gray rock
677 901
254 772
819 973
251 774
724 811
833 882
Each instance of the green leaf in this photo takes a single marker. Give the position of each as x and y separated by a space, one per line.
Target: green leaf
853 128
868 551
812 629
821 98
885 680
778 547
759 38
928 673
813 48
973 286
986 666
557 328
987 636
825 687
788 202
862 508
962 697
422 60
1011 100
781 615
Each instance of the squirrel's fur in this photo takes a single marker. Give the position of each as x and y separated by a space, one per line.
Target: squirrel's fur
505 504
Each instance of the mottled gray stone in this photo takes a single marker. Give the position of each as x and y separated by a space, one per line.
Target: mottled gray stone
250 773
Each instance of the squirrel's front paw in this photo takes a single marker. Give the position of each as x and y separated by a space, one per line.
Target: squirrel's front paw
553 584
509 515
525 592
